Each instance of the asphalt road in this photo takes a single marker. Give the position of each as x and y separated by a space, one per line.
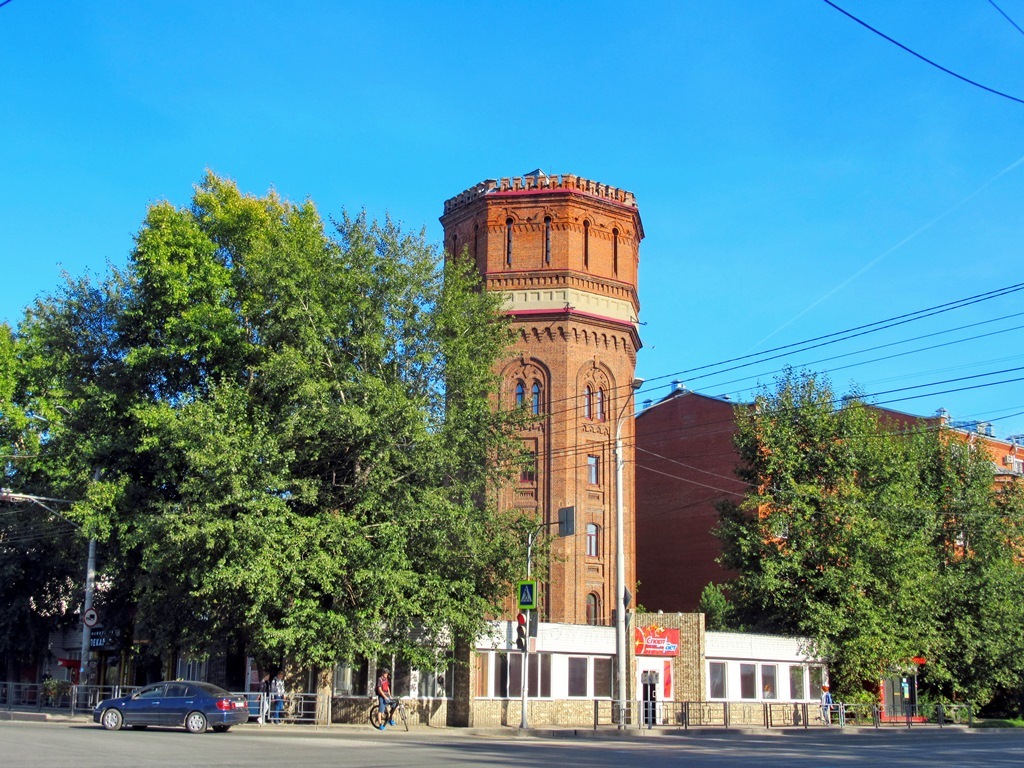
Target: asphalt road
76 745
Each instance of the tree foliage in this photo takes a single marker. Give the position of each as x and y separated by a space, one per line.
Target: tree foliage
42 557
850 535
293 431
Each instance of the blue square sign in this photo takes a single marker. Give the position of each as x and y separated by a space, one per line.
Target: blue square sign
528 595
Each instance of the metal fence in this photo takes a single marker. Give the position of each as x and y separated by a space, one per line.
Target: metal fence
79 699
724 714
315 709
74 698
648 714
297 708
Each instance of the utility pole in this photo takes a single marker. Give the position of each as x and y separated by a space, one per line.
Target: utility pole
620 560
90 579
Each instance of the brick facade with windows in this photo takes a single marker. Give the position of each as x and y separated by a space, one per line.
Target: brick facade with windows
564 252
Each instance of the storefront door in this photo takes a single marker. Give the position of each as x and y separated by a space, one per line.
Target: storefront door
654 685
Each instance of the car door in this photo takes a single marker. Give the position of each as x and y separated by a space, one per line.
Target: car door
176 704
143 708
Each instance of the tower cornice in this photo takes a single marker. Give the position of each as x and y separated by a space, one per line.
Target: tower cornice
541 184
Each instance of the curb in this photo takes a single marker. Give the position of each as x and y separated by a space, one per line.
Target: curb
604 734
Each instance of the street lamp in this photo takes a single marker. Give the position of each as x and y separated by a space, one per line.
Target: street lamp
620 557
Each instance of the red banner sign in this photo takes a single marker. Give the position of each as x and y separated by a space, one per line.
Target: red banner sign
656 641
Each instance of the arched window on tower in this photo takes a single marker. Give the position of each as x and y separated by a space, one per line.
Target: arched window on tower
476 241
547 239
508 242
593 609
455 245
535 399
600 405
592 532
588 402
520 394
615 252
586 244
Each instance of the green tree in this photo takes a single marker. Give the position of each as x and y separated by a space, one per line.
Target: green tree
978 549
293 429
42 558
717 610
832 542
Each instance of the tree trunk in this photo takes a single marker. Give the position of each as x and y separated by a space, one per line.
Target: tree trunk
324 695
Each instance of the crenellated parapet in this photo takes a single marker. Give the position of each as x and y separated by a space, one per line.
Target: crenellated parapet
540 183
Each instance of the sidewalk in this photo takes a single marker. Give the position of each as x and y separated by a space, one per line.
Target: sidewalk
565 732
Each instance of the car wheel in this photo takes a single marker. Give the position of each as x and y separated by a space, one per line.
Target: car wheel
195 722
112 720
221 728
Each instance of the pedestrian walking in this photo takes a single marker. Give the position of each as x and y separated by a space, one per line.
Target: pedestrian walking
826 705
277 697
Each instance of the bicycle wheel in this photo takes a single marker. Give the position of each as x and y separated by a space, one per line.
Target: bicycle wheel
374 716
403 715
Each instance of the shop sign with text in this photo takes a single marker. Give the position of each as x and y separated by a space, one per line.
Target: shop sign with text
656 641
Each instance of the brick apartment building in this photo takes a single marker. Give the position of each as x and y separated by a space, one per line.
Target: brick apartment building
685 464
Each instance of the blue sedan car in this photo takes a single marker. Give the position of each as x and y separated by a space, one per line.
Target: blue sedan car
177 703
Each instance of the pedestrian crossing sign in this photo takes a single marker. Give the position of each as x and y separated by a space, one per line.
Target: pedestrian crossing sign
528 595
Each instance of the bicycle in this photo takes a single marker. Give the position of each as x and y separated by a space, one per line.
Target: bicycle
376 720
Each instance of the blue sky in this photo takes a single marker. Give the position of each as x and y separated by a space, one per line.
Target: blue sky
796 174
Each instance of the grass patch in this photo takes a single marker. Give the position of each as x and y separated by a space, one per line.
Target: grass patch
1017 723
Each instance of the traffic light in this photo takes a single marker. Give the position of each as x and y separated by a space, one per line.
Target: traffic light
521 632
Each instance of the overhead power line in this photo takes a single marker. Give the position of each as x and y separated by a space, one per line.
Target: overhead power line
849 333
560 406
1003 13
925 59
865 350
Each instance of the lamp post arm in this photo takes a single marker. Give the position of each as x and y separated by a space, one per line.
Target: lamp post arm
6 494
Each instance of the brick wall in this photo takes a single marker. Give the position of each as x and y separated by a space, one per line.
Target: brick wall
564 251
675 506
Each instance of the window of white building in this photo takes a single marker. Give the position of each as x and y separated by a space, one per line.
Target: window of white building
717 677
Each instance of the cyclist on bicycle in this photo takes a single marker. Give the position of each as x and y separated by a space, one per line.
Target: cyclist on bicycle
384 698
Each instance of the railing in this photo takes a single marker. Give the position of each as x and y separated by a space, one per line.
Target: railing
648 714
296 708
85 697
724 714
256 703
73 698
21 695
954 714
308 708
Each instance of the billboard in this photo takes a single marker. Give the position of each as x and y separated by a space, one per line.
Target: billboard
656 641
